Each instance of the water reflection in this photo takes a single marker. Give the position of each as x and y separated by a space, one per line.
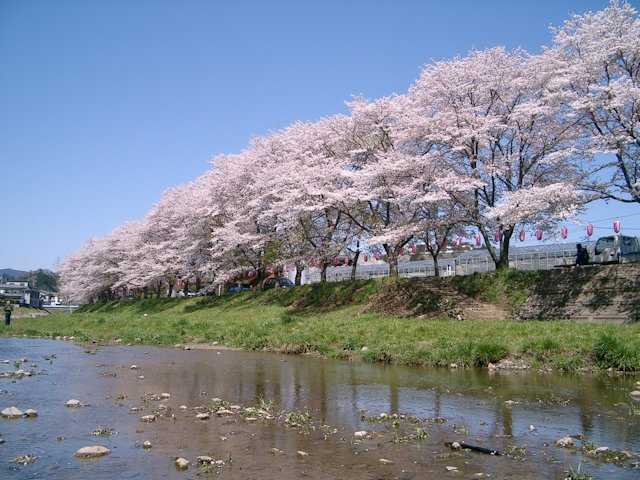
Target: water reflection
336 392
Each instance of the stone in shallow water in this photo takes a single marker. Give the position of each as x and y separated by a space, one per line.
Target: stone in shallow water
93 451
12 412
182 463
384 461
203 416
148 418
360 434
146 444
565 442
73 403
31 413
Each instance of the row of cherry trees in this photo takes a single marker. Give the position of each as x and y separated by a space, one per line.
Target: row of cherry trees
489 144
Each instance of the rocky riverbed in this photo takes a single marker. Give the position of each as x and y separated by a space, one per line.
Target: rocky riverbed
141 412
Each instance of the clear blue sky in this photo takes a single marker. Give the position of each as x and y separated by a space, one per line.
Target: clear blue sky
103 105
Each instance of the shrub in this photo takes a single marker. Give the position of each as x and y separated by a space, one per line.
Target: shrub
609 351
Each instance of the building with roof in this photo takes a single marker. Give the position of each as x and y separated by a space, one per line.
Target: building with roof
19 293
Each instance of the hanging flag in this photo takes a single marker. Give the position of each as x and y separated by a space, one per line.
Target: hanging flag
589 230
564 232
522 235
539 234
617 226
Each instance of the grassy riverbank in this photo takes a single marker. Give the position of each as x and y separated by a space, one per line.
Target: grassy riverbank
337 320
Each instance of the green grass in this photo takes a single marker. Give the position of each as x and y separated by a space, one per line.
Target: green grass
336 320
506 287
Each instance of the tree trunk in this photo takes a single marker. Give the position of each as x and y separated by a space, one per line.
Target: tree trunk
503 259
185 288
170 290
436 267
198 284
299 269
158 289
354 266
392 260
323 272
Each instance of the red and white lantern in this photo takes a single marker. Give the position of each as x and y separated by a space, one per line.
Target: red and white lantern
617 226
458 241
478 240
589 230
564 232
539 234
414 250
366 258
522 235
498 236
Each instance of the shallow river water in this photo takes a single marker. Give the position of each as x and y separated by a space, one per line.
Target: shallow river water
520 414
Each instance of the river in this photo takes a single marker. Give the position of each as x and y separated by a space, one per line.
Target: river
519 414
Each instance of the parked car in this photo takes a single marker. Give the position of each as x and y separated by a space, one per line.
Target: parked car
238 288
616 249
277 282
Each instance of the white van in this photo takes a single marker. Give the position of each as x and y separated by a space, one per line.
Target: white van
616 249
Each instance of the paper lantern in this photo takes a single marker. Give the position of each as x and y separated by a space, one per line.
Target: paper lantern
458 241
366 258
478 240
564 232
498 235
589 230
539 234
413 250
617 226
522 235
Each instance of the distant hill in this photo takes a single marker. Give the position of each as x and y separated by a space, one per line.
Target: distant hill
41 279
11 274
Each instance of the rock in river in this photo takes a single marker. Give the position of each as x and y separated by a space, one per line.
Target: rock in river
565 442
182 463
203 416
93 451
12 412
148 418
73 403
31 413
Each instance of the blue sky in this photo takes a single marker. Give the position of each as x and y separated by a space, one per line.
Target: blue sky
103 105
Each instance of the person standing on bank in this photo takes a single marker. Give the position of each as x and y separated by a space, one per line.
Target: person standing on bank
8 308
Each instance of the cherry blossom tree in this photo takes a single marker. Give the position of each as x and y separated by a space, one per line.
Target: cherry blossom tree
595 58
486 115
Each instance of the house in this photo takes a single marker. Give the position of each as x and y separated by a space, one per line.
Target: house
20 293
